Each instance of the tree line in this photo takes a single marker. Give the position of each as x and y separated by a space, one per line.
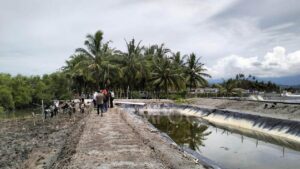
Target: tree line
153 68
235 86
23 91
140 68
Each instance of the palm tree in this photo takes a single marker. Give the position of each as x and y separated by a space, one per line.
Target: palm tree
167 76
77 72
194 71
161 51
96 52
133 66
178 59
229 88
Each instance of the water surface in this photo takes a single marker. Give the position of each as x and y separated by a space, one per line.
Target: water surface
228 148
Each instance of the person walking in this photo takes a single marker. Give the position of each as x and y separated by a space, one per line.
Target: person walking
99 101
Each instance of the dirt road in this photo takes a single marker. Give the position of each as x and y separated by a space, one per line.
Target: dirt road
109 142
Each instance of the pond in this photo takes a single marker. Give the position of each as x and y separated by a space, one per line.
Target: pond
228 148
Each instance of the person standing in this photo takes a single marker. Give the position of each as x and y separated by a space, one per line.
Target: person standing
105 100
112 96
82 105
99 101
94 99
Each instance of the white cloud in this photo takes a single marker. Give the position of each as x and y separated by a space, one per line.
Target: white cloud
39 30
45 33
273 64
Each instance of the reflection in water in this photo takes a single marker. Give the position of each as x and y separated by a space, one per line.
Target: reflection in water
231 148
183 130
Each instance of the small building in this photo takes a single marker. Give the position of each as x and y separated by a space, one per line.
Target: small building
204 90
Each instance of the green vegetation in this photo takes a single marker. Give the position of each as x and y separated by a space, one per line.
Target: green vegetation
156 70
22 92
194 72
153 69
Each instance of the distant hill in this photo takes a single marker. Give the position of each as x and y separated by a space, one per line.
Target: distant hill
288 81
290 86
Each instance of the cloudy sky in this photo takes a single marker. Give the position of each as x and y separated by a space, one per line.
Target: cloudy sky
258 37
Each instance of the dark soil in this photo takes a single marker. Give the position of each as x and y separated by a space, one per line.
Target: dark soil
25 145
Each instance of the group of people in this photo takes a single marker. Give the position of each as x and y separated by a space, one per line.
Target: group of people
70 107
103 100
51 109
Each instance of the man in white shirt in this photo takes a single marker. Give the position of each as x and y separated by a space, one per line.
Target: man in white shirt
94 98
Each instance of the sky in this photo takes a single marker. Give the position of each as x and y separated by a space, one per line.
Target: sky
257 37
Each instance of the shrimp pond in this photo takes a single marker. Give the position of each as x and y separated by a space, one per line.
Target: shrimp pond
229 148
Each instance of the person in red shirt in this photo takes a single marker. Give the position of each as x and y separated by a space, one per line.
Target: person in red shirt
105 100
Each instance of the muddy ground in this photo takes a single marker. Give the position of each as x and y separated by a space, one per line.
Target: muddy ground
25 145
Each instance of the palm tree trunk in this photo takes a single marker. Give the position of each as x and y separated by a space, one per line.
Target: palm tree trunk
166 90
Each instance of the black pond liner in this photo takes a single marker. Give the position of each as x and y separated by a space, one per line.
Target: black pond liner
292 127
287 126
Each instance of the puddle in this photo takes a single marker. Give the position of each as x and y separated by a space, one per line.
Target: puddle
226 147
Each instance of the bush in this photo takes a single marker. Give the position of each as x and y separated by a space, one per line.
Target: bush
174 96
6 99
135 95
65 96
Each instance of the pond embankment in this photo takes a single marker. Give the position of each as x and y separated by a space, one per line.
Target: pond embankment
277 120
280 110
122 140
